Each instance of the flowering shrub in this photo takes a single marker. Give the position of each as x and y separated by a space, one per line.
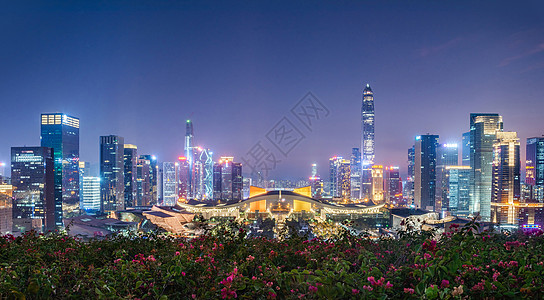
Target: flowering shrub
226 264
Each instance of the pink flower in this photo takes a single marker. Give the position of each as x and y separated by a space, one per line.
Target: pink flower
426 256
182 273
312 289
354 291
193 296
177 253
388 285
409 291
250 258
272 295
445 283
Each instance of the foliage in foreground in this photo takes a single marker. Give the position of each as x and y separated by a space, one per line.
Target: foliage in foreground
226 264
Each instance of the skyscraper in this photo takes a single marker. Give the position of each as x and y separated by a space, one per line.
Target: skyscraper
227 179
377 184
6 208
130 163
367 142
189 154
33 179
183 179
392 185
61 132
333 176
465 149
112 181
483 133
153 177
144 188
535 168
506 186
169 183
356 166
446 155
458 190
344 180
411 176
367 124
425 171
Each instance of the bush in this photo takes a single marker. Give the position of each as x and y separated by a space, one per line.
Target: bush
225 263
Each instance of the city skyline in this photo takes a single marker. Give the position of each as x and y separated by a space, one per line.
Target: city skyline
431 86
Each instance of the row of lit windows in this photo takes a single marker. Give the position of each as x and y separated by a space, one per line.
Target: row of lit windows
60 119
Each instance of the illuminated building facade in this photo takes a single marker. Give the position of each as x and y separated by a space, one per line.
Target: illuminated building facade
534 167
409 188
392 185
506 188
153 177
112 180
446 155
314 170
130 165
183 179
6 208
227 179
344 180
334 163
457 200
465 149
377 184
425 171
367 142
169 183
316 184
90 192
144 188
356 169
483 133
61 133
189 154
33 181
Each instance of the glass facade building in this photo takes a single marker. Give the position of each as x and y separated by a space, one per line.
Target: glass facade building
483 133
169 183
130 165
458 190
356 168
90 193
367 142
506 188
112 181
535 168
425 171
33 180
61 133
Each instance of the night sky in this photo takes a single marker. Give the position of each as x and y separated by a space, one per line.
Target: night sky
140 69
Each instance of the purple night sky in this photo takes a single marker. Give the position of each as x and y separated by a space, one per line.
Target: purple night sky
139 69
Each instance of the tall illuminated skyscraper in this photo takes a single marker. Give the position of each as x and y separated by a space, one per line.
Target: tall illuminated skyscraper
506 188
409 188
61 132
377 184
535 168
227 179
169 183
392 185
446 155
356 167
112 180
425 171
143 183
465 149
153 177
130 163
367 142
189 154
483 133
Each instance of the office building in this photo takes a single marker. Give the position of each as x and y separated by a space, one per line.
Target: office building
457 198
153 177
534 167
378 195
112 180
189 154
344 180
33 180
446 155
356 169
483 133
90 195
144 189
6 208
367 142
169 183
183 179
425 171
227 179
465 149
506 188
392 186
409 187
130 165
61 133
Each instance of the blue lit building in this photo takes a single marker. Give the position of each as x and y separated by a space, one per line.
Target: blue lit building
112 183
425 171
61 133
